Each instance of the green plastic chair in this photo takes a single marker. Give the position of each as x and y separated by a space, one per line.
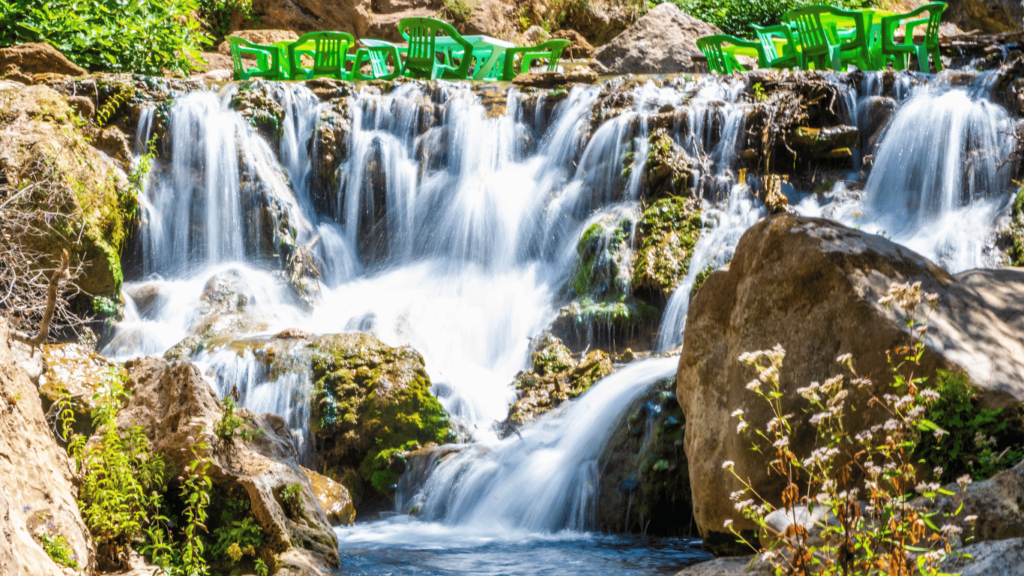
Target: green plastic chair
421 55
329 53
897 53
377 57
790 57
552 50
268 60
719 59
824 46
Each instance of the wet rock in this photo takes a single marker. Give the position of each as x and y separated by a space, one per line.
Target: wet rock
114 142
88 191
293 334
669 170
176 407
534 35
666 235
35 59
813 286
661 42
555 377
821 142
578 48
582 74
770 193
540 79
876 111
645 486
370 403
1014 235
255 102
749 566
226 309
37 486
334 499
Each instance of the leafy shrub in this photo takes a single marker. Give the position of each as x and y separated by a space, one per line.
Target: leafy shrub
230 424
121 478
58 550
736 16
143 36
889 535
216 16
291 501
979 442
238 534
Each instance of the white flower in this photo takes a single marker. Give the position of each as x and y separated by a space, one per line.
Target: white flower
843 359
782 442
741 427
737 495
928 395
754 385
938 470
728 464
863 437
964 481
727 523
940 433
737 413
924 487
951 529
971 519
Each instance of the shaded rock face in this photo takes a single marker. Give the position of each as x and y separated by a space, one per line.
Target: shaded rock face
989 16
997 502
992 558
554 377
36 59
645 486
36 123
175 406
659 43
813 286
37 490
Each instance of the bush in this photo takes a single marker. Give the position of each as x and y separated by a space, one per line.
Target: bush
58 549
145 36
736 16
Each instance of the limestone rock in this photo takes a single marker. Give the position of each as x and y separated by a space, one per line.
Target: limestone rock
37 490
36 123
991 558
997 502
540 79
730 567
578 48
659 43
173 404
600 21
84 106
534 35
76 370
36 58
813 286
988 16
333 497
265 37
582 74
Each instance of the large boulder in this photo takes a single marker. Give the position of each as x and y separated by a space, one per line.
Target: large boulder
85 186
997 502
176 408
36 59
37 490
988 16
814 287
662 42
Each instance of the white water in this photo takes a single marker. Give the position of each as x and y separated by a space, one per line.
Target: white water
472 228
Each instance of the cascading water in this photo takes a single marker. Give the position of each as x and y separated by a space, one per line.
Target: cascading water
455 234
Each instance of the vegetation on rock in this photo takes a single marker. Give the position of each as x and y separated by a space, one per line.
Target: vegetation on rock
371 402
736 16
146 36
1016 232
667 233
57 548
554 378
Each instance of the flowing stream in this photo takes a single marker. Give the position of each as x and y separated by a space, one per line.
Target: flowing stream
458 240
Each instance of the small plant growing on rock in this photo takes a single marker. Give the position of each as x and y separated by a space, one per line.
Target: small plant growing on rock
291 501
231 423
857 486
58 549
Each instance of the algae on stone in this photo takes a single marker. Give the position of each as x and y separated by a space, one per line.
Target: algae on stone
667 233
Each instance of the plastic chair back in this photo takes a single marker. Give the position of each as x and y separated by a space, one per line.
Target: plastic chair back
421 55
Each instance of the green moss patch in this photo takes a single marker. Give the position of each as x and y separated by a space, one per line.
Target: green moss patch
667 233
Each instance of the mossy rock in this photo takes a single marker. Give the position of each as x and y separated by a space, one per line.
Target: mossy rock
44 146
667 233
554 378
370 403
255 102
668 169
644 471
1015 253
602 266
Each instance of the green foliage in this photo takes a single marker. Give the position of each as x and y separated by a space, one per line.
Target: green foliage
123 93
978 441
1016 251
231 424
237 533
261 568
216 16
145 36
670 229
292 501
701 277
736 16
58 550
121 478
195 491
759 94
459 10
105 306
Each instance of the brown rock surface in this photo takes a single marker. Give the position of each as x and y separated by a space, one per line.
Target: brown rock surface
578 48
659 43
36 482
173 404
265 37
334 499
813 286
988 16
37 58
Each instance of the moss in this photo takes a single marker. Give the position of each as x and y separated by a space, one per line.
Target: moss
644 469
1016 233
701 277
602 265
371 402
669 230
255 102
